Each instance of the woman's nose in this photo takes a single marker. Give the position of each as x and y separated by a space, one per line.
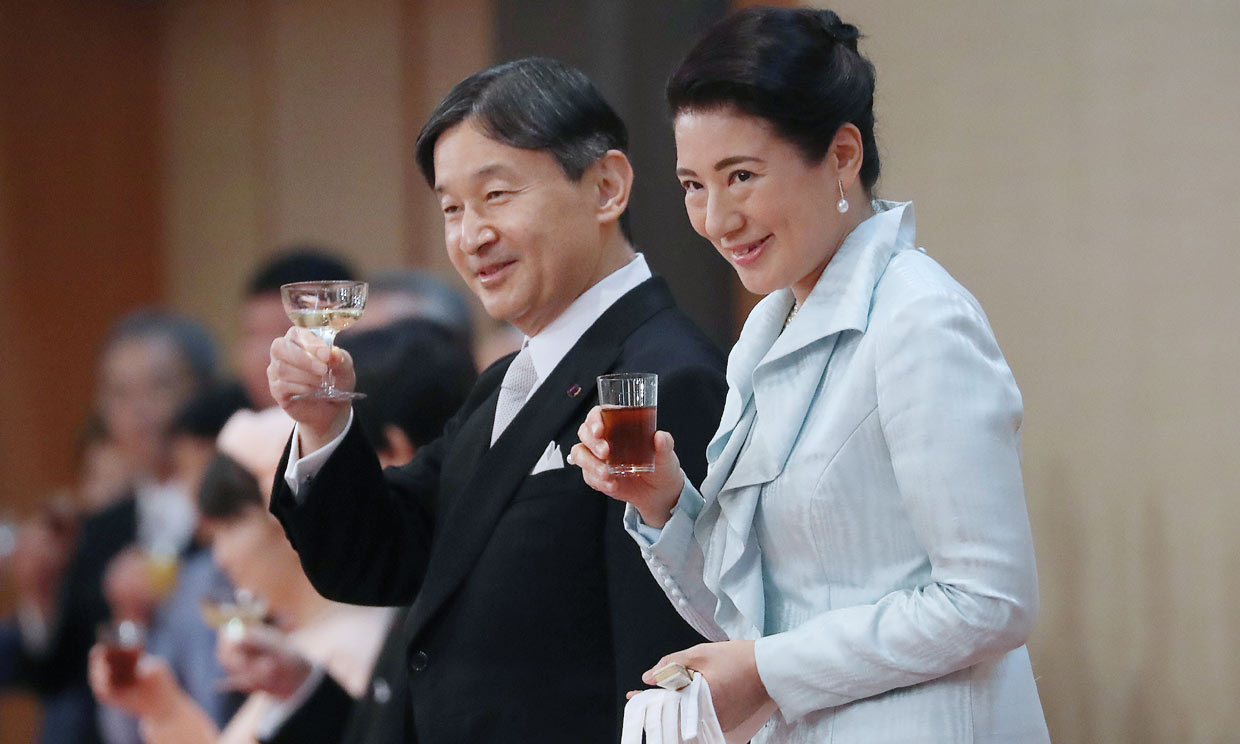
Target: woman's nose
722 217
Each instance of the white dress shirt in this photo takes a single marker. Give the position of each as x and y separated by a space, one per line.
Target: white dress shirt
547 348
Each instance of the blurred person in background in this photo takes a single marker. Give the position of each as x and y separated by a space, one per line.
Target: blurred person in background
176 630
415 374
103 474
410 293
246 542
262 315
151 363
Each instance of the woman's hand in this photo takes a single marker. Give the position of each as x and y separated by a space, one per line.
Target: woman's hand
299 361
652 494
732 672
261 658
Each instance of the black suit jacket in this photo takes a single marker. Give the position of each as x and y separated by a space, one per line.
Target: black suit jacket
332 716
532 611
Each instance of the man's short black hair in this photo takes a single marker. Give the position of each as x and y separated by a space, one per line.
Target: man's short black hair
300 263
415 372
227 489
192 341
534 104
204 415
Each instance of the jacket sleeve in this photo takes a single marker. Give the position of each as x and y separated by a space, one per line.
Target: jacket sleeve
950 415
645 626
675 560
362 534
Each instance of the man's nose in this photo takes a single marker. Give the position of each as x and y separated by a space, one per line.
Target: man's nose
476 232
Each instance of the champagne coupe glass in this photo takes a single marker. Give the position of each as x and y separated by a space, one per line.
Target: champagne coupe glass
325 309
230 612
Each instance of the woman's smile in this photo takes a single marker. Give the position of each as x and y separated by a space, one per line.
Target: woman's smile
746 253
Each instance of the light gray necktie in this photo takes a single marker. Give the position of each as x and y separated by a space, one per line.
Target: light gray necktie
518 382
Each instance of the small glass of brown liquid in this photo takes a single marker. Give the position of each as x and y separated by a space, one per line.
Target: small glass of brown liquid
122 647
629 401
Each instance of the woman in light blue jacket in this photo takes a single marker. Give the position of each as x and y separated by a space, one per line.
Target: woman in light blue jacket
860 550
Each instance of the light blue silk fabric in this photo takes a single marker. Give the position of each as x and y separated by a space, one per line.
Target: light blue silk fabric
863 517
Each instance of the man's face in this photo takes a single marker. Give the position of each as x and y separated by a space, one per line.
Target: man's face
262 321
143 381
525 238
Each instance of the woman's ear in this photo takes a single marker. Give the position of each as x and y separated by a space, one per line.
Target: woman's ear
846 153
613 178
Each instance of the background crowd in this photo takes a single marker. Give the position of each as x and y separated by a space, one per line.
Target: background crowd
168 518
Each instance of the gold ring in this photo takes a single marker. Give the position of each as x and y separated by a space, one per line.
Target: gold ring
673 676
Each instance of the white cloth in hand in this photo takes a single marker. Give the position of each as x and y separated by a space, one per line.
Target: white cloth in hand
684 716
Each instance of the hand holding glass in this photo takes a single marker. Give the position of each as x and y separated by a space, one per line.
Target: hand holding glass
122 647
325 309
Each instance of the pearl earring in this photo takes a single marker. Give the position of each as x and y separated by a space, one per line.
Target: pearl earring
842 205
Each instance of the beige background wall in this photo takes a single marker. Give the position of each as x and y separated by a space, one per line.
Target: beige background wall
1075 165
293 120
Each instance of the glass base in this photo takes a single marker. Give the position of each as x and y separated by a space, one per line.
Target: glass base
330 395
629 469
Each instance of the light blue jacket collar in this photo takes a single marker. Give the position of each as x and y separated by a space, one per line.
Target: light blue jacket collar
778 374
840 301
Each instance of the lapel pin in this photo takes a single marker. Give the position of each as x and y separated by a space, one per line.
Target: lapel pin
574 391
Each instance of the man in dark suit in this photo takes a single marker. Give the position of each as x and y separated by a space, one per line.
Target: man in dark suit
532 613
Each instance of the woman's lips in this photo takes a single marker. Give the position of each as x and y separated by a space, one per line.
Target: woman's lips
493 273
746 254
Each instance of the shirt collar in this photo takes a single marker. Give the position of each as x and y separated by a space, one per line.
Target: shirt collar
166 517
550 345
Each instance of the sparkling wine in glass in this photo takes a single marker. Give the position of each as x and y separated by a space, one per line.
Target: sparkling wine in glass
230 612
325 309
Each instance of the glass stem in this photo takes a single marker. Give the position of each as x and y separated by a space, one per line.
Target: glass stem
329 380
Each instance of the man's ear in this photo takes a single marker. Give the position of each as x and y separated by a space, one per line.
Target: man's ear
613 179
396 449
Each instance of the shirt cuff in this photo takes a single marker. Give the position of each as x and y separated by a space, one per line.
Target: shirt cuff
686 510
282 710
301 469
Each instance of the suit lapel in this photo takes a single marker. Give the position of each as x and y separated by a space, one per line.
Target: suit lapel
488 477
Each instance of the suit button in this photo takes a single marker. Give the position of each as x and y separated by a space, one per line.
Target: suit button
418 661
382 692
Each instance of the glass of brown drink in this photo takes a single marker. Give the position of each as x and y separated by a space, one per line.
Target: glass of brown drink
629 402
122 647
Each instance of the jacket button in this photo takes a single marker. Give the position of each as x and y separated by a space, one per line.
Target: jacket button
418 661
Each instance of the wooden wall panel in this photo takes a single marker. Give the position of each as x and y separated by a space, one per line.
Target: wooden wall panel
80 226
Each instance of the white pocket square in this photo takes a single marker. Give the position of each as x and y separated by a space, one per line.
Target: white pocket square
552 459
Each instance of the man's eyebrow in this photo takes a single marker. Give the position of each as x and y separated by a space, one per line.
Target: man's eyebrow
486 171
733 160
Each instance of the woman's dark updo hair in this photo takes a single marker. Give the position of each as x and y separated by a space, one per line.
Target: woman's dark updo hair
796 68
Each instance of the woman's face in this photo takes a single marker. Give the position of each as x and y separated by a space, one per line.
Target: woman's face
753 196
